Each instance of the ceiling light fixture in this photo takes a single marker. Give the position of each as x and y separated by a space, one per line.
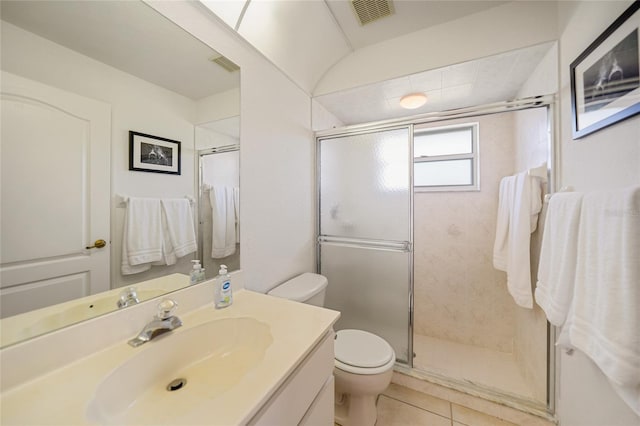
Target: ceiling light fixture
413 101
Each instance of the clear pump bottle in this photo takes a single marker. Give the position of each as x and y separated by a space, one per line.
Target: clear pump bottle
223 293
197 273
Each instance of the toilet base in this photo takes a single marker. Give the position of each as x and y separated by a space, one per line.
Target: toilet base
355 411
356 396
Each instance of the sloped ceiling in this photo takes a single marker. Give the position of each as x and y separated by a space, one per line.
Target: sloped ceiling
127 35
311 39
305 38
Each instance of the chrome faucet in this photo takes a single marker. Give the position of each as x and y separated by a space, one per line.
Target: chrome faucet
163 321
128 297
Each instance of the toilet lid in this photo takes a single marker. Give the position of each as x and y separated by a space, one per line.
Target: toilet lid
361 349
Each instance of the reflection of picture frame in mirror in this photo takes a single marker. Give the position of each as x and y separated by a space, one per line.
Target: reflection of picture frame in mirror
148 153
605 78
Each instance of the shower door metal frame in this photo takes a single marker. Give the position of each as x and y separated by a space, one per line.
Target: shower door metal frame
403 246
548 101
202 153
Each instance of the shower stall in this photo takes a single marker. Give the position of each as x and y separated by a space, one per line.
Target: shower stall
219 224
406 227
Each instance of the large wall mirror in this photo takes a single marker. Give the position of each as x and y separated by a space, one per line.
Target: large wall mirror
78 78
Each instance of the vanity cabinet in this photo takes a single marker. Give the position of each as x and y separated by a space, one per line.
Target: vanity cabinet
306 397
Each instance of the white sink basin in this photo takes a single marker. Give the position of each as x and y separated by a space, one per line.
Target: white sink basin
211 357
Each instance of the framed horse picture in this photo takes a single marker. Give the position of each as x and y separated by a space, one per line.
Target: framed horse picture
605 78
148 153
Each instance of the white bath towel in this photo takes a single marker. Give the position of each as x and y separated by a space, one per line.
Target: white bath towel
520 201
501 244
180 227
558 256
142 241
223 238
604 319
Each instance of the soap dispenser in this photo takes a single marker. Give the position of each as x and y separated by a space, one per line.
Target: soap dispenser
197 273
223 294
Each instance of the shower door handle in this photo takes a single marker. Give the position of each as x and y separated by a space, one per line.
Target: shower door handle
402 246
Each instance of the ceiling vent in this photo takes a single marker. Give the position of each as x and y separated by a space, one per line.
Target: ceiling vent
371 10
225 63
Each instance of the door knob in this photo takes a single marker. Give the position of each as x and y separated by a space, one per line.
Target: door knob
97 244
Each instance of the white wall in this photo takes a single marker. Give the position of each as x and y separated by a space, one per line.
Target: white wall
606 159
218 106
206 138
322 119
507 27
135 104
276 159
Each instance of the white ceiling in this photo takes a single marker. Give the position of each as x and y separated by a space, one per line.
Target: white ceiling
409 16
130 36
305 38
492 79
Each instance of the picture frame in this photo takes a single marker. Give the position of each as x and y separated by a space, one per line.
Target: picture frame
148 153
605 78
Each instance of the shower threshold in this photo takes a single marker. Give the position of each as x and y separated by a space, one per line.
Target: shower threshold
482 372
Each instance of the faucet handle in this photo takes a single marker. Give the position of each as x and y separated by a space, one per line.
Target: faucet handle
128 297
166 308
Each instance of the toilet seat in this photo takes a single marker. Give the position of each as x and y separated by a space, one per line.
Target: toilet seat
361 352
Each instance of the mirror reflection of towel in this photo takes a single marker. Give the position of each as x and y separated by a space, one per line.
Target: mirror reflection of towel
142 240
223 238
180 228
156 232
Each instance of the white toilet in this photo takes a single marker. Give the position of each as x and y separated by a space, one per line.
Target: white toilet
363 361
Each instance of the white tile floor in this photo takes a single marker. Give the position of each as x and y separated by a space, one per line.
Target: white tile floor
485 367
400 406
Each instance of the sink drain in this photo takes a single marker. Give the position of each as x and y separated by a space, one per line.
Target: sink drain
176 384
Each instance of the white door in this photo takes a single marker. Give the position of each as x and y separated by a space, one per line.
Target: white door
55 191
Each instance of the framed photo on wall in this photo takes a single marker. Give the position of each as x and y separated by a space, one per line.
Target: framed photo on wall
605 78
148 153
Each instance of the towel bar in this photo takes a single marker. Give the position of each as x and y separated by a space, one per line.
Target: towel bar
121 200
547 197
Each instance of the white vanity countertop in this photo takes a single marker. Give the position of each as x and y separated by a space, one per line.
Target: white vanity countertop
33 323
62 396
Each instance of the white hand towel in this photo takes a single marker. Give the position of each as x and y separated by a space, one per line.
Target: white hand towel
604 321
518 207
556 270
223 239
180 227
142 240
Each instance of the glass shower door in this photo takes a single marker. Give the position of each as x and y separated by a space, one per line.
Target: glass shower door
364 242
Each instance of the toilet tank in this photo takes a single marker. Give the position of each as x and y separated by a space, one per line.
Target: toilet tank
307 288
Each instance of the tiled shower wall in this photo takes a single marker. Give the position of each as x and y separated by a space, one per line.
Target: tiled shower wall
459 296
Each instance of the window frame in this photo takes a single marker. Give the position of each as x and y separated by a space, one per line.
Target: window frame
474 156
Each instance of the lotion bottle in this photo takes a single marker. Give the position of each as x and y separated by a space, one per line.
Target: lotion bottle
223 294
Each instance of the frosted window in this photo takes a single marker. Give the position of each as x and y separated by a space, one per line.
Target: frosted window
443 173
443 142
446 158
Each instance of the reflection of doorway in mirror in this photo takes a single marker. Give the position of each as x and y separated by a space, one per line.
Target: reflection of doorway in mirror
219 209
